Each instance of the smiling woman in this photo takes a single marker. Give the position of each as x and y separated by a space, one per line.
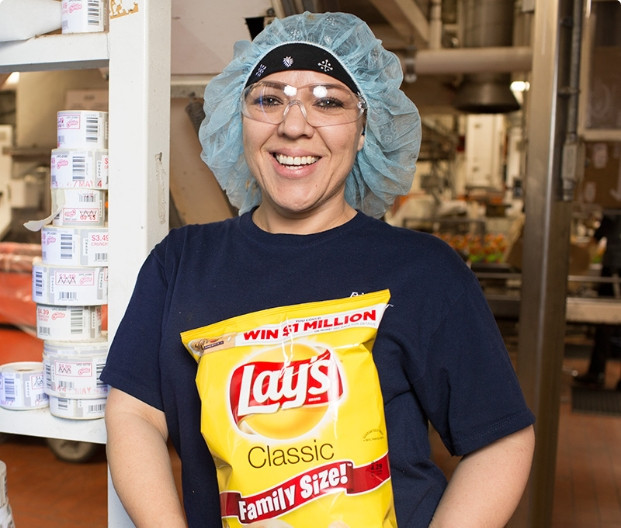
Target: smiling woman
308 132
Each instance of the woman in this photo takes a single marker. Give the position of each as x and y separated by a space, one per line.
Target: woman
310 136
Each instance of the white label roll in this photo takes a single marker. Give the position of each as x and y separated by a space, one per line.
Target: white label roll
68 323
76 168
74 246
22 386
77 409
72 369
67 286
82 16
79 207
82 129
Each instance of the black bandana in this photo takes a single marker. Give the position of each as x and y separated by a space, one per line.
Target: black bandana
301 56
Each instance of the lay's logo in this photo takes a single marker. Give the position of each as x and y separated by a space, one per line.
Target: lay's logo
261 389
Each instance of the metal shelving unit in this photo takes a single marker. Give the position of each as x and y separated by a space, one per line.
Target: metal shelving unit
136 50
39 422
55 52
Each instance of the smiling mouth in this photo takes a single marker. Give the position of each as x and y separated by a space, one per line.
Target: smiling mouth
295 160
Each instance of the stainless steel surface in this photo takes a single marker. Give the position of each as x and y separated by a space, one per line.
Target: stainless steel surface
577 309
486 23
546 254
503 293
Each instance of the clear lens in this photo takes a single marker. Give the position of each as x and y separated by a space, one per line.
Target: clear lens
321 104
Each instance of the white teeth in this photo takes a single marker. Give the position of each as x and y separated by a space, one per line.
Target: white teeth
298 160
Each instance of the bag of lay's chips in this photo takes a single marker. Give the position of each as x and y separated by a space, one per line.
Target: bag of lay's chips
293 416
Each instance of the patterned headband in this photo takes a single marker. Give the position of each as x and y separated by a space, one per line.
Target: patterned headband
301 56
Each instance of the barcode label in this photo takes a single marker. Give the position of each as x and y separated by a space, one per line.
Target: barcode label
77 321
63 404
79 168
67 296
38 283
99 369
100 257
66 246
92 129
48 375
9 388
97 408
87 198
94 12
43 331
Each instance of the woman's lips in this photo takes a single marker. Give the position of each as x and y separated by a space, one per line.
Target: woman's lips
295 160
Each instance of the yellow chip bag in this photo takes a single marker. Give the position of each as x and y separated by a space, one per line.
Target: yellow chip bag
293 416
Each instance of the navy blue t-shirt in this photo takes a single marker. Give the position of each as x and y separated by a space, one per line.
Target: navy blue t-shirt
439 354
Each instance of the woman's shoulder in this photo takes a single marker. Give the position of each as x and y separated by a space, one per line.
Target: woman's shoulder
190 232
191 239
423 255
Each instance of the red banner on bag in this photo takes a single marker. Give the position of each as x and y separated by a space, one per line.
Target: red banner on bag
335 477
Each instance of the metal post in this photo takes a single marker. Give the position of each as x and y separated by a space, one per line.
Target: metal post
546 250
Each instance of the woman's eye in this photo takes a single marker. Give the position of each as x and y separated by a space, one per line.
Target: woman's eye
329 103
267 101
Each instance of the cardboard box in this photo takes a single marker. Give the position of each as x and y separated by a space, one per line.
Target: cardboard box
87 100
601 183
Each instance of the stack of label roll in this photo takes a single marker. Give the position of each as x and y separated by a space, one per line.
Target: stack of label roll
70 281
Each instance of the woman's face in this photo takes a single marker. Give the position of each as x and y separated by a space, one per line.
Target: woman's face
300 169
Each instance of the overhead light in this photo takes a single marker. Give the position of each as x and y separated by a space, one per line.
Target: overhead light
522 86
10 82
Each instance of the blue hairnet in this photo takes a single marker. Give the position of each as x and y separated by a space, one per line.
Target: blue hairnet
383 169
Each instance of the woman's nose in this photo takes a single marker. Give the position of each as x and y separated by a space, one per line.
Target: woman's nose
294 120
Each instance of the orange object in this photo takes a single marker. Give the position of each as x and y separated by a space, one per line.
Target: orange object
17 345
16 304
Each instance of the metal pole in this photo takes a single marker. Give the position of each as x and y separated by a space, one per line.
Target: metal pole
546 251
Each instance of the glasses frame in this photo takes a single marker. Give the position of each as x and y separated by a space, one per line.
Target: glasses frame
361 104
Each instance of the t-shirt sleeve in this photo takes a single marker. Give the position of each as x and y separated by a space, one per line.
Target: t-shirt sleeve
470 390
132 364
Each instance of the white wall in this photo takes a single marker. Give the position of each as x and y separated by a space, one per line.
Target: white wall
203 33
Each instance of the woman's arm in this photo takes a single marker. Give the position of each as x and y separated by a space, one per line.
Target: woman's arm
487 484
140 463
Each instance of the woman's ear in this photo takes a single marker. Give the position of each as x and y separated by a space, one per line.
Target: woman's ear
361 140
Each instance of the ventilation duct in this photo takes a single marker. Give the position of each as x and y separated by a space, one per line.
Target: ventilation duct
487 23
